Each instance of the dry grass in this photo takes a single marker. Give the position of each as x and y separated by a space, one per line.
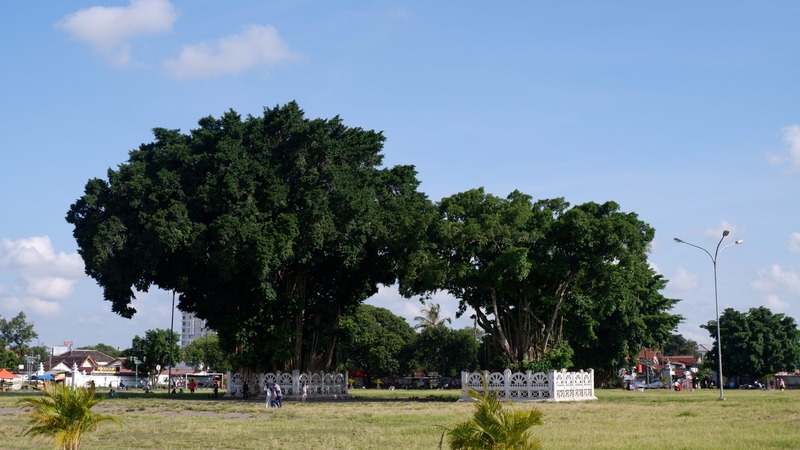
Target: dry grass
408 420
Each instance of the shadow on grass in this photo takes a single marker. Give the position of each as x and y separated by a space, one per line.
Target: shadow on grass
357 397
410 399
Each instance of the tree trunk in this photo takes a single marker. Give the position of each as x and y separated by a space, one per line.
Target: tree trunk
296 292
500 337
331 350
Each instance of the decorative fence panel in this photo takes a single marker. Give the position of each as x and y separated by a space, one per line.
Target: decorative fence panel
320 384
527 386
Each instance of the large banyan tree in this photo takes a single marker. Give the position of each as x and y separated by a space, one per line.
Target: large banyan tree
269 228
547 281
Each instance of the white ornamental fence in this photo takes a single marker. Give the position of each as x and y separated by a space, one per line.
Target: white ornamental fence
319 384
553 386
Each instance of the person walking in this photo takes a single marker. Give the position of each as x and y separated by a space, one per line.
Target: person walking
278 395
245 391
304 392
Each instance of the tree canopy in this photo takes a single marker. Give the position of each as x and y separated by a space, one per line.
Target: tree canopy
104 348
676 345
541 274
8 359
206 351
375 341
272 227
755 343
444 350
17 333
158 347
268 228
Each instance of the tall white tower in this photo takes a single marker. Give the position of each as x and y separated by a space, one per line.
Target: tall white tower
192 328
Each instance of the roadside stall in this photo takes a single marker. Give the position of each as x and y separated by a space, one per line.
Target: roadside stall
6 379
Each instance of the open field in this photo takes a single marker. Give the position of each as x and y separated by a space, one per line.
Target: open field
408 420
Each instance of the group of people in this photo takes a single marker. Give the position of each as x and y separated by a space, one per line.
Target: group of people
274 395
272 392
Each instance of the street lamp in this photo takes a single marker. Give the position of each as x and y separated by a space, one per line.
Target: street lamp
30 360
171 337
716 298
136 363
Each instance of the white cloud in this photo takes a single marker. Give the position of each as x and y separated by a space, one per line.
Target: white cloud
107 29
716 231
51 287
35 255
794 242
697 334
257 45
390 298
31 304
655 268
776 278
684 280
92 320
408 308
791 136
44 272
776 305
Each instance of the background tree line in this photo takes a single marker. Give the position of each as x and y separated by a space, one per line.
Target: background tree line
754 343
375 341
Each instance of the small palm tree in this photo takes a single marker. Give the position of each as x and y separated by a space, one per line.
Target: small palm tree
430 318
493 427
64 414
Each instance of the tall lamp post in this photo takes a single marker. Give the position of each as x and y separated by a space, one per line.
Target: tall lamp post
136 363
716 298
171 337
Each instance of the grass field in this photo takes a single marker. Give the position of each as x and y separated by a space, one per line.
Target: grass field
397 420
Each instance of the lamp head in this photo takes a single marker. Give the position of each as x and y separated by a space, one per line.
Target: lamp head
725 233
740 241
678 240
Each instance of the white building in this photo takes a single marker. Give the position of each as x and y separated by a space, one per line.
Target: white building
192 329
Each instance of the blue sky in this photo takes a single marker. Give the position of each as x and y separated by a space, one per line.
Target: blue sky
684 113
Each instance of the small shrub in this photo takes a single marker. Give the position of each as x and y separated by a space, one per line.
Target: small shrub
492 426
64 414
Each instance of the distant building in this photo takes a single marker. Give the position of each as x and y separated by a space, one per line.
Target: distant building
88 362
192 329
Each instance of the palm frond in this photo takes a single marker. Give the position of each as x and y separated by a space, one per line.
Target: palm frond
64 414
493 426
